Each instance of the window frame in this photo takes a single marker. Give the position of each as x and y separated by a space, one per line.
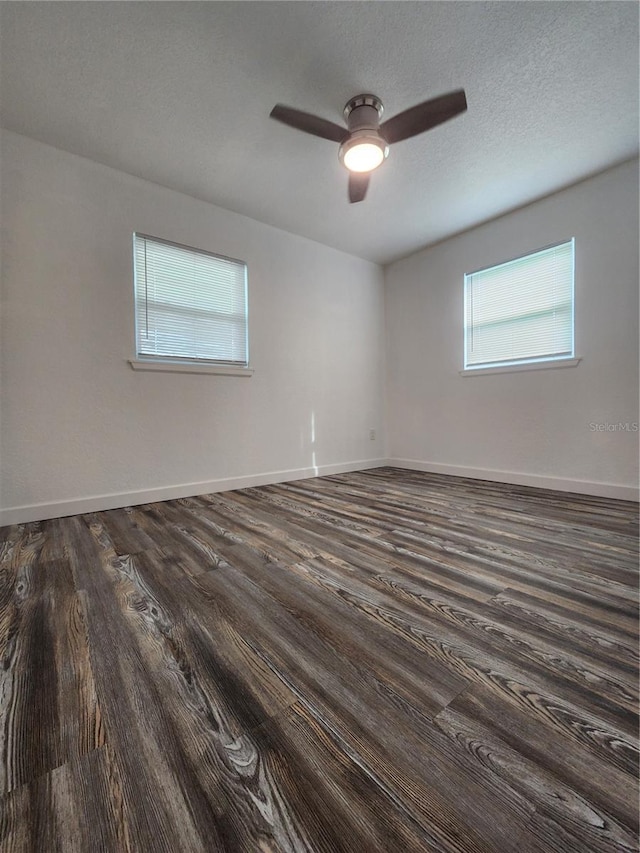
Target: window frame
183 364
529 362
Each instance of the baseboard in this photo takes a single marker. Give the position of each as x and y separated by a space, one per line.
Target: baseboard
560 484
97 503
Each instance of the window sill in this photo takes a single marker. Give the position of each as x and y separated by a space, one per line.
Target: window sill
517 368
190 367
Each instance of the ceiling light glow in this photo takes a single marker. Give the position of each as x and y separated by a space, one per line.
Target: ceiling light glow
363 157
363 154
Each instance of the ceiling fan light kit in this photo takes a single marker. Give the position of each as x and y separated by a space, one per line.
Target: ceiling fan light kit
364 144
363 151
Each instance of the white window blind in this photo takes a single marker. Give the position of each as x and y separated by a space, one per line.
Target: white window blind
521 311
190 305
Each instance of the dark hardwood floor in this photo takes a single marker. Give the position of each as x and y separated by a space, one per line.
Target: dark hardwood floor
379 661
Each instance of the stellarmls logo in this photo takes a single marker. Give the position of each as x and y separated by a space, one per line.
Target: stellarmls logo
618 427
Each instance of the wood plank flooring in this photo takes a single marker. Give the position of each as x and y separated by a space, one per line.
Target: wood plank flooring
378 661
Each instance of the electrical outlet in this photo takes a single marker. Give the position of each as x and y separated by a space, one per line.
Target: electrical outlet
372 434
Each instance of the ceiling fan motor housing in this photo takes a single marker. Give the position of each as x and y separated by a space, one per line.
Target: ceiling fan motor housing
362 115
363 111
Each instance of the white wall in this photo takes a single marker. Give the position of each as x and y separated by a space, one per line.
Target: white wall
82 430
528 427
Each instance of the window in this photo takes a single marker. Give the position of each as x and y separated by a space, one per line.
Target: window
520 312
191 305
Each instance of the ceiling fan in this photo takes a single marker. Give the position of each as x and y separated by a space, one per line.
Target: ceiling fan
364 143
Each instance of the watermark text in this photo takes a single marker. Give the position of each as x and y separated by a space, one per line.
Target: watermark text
620 426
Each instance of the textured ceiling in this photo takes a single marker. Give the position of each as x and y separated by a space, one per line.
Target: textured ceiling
180 94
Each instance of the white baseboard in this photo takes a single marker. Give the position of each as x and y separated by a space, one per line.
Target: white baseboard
561 484
97 503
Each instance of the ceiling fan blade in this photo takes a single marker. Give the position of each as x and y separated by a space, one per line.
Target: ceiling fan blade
308 123
358 184
424 116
